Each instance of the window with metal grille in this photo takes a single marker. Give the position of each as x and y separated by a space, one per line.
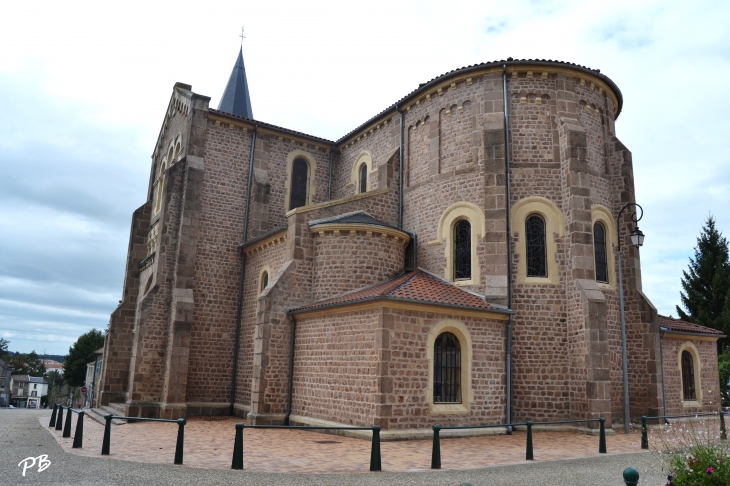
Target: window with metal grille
446 369
462 250
299 183
363 178
536 247
599 247
688 377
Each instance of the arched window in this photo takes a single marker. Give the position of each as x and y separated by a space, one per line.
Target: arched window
299 183
536 247
462 250
264 281
688 377
446 369
599 248
363 178
160 183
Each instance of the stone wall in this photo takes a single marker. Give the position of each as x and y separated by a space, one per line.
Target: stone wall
708 394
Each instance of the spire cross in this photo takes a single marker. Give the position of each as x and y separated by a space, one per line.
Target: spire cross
242 36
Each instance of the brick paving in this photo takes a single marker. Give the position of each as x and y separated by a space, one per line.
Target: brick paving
209 444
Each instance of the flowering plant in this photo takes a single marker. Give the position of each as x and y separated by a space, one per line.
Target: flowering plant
694 454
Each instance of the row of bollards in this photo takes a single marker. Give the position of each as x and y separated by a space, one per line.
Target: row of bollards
57 422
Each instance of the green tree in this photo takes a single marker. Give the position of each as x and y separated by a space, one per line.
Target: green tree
26 364
3 347
82 352
706 284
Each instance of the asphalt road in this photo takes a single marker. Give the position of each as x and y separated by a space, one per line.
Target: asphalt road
21 437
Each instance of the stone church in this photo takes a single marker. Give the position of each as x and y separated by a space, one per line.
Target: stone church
452 260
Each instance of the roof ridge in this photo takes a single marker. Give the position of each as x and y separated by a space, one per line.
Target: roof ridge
414 274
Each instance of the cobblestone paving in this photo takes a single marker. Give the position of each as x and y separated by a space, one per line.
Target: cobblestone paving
25 434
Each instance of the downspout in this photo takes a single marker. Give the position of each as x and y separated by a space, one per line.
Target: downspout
508 354
400 170
290 384
239 304
329 183
661 354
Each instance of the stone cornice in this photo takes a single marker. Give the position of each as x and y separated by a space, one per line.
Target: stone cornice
391 303
336 202
269 241
370 230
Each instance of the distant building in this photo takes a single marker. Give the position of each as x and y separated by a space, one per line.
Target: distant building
93 373
27 391
52 365
6 372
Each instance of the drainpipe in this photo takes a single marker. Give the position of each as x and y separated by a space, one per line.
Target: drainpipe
239 304
329 183
290 385
661 354
508 205
400 170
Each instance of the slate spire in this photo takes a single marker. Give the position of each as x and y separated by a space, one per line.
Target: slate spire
236 98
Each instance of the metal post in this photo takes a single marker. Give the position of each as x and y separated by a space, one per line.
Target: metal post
723 434
67 426
624 357
107 435
631 476
436 451
528 454
52 423
180 439
644 437
237 462
79 434
602 436
375 450
59 419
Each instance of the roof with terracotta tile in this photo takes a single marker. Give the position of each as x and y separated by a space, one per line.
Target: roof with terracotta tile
416 287
676 325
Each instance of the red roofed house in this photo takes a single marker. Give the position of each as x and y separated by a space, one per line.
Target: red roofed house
452 260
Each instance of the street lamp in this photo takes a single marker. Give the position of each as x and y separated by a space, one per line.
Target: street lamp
637 239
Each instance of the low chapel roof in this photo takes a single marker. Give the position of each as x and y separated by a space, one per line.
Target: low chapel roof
357 217
417 287
673 325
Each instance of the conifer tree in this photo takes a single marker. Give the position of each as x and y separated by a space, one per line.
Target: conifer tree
706 284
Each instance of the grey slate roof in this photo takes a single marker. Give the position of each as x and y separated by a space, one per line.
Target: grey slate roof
358 217
236 98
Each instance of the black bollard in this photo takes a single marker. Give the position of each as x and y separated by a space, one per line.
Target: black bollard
237 462
79 434
375 450
644 436
528 453
180 440
107 435
631 476
67 426
436 451
59 418
602 437
53 417
723 434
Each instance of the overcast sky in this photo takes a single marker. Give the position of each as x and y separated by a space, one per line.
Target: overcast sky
84 87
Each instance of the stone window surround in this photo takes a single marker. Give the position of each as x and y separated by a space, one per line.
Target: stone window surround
458 329
692 350
454 213
601 214
259 289
295 154
364 157
554 225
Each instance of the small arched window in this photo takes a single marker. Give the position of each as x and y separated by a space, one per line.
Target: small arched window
462 250
688 377
446 369
363 178
264 281
599 248
299 183
536 247
160 183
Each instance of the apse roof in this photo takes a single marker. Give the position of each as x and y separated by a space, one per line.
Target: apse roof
415 287
675 325
236 98
357 217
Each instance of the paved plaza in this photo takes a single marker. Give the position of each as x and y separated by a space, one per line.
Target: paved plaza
305 457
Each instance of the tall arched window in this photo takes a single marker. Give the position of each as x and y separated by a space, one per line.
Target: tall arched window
462 250
536 247
446 369
160 183
599 248
688 377
264 281
299 183
363 178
